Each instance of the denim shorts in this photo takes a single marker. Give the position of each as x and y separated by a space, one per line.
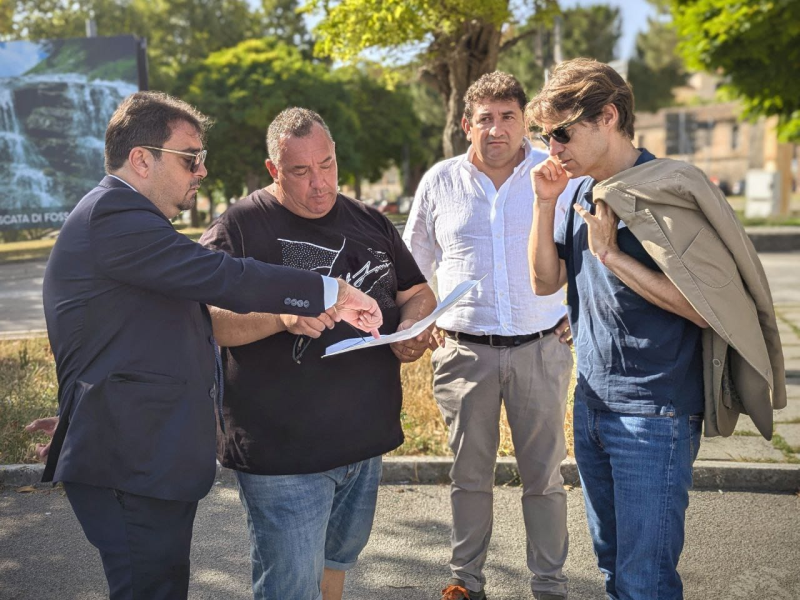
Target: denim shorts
302 524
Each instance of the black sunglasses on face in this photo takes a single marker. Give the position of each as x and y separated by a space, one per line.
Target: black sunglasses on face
560 133
198 159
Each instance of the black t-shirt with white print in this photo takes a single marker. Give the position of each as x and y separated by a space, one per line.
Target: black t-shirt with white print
285 418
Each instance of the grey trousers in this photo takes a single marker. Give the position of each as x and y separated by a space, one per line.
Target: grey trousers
470 382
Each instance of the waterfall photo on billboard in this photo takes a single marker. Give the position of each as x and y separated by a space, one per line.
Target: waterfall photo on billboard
56 97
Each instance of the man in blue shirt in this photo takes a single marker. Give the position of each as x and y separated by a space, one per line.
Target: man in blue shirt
639 397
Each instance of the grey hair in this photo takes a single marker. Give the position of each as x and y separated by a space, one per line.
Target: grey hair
294 121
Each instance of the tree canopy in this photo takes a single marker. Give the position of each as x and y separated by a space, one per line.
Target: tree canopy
455 42
246 86
591 31
178 32
755 44
656 67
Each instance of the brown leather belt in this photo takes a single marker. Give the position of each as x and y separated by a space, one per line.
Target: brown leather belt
500 341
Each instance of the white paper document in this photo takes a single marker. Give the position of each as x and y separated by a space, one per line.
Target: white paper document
461 290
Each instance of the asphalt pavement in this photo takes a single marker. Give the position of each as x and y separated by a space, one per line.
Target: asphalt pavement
739 546
21 290
21 296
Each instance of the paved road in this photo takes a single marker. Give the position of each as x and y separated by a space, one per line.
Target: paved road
21 296
21 290
739 546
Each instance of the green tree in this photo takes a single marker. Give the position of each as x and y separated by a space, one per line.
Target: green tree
246 86
178 32
430 112
656 68
591 31
756 44
284 22
388 127
455 42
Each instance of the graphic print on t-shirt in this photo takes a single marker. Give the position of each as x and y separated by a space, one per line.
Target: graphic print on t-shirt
362 267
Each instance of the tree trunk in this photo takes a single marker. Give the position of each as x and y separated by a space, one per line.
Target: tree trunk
465 59
357 186
194 215
454 140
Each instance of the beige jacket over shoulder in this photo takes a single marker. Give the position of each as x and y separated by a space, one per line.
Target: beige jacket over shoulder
687 226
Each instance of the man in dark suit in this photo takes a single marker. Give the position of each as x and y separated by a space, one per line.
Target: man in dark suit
138 367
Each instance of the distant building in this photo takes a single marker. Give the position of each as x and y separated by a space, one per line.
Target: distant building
714 139
711 136
387 189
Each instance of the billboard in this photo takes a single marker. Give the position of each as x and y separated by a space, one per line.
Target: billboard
56 98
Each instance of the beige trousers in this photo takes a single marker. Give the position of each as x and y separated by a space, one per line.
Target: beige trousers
470 382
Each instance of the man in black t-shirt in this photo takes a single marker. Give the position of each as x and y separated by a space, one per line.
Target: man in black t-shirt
305 434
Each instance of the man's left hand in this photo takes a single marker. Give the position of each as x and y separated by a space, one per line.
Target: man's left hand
48 426
410 350
602 229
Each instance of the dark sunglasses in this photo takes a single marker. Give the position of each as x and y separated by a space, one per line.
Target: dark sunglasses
198 159
560 133
301 342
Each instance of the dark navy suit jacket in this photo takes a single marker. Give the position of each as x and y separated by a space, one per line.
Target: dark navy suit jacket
124 300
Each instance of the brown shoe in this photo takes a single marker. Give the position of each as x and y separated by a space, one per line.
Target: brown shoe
456 589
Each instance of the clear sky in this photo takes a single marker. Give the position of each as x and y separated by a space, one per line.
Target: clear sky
634 19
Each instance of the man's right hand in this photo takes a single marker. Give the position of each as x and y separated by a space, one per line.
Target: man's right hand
310 326
563 331
358 309
549 180
47 425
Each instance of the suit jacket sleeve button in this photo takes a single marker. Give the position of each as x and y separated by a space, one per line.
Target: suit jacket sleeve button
288 301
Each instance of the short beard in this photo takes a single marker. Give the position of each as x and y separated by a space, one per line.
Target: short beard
188 203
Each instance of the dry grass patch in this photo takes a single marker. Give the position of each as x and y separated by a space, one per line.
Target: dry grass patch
40 249
28 391
424 426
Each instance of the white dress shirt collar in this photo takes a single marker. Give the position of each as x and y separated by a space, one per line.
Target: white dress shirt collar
123 181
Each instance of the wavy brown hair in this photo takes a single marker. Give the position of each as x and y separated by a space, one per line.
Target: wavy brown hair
581 88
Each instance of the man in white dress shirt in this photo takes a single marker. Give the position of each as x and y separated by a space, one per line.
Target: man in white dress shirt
472 217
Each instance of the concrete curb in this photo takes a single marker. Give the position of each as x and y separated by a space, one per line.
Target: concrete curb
423 470
23 335
774 239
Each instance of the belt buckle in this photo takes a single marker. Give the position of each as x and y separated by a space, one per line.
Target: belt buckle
491 342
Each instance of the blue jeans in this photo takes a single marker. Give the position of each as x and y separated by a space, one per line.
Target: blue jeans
301 524
636 472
